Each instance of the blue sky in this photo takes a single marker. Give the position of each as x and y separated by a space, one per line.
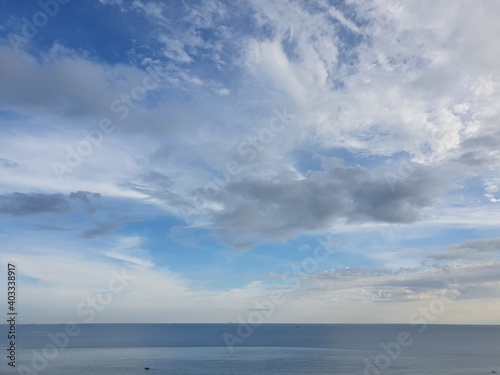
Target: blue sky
214 150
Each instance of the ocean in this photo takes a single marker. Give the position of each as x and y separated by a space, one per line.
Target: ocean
269 349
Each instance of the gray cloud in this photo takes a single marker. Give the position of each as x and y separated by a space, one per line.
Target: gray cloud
21 204
487 141
8 163
24 204
84 197
471 250
481 150
402 285
88 93
255 208
482 245
474 158
110 223
102 228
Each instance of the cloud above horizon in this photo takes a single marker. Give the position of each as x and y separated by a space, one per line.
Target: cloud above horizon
223 137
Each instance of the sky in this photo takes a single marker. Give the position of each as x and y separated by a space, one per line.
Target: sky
214 161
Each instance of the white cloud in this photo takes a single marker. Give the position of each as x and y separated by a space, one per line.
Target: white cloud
369 80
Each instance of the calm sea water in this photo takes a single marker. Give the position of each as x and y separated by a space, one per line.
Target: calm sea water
189 349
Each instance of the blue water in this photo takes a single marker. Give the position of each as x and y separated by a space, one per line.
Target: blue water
191 349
